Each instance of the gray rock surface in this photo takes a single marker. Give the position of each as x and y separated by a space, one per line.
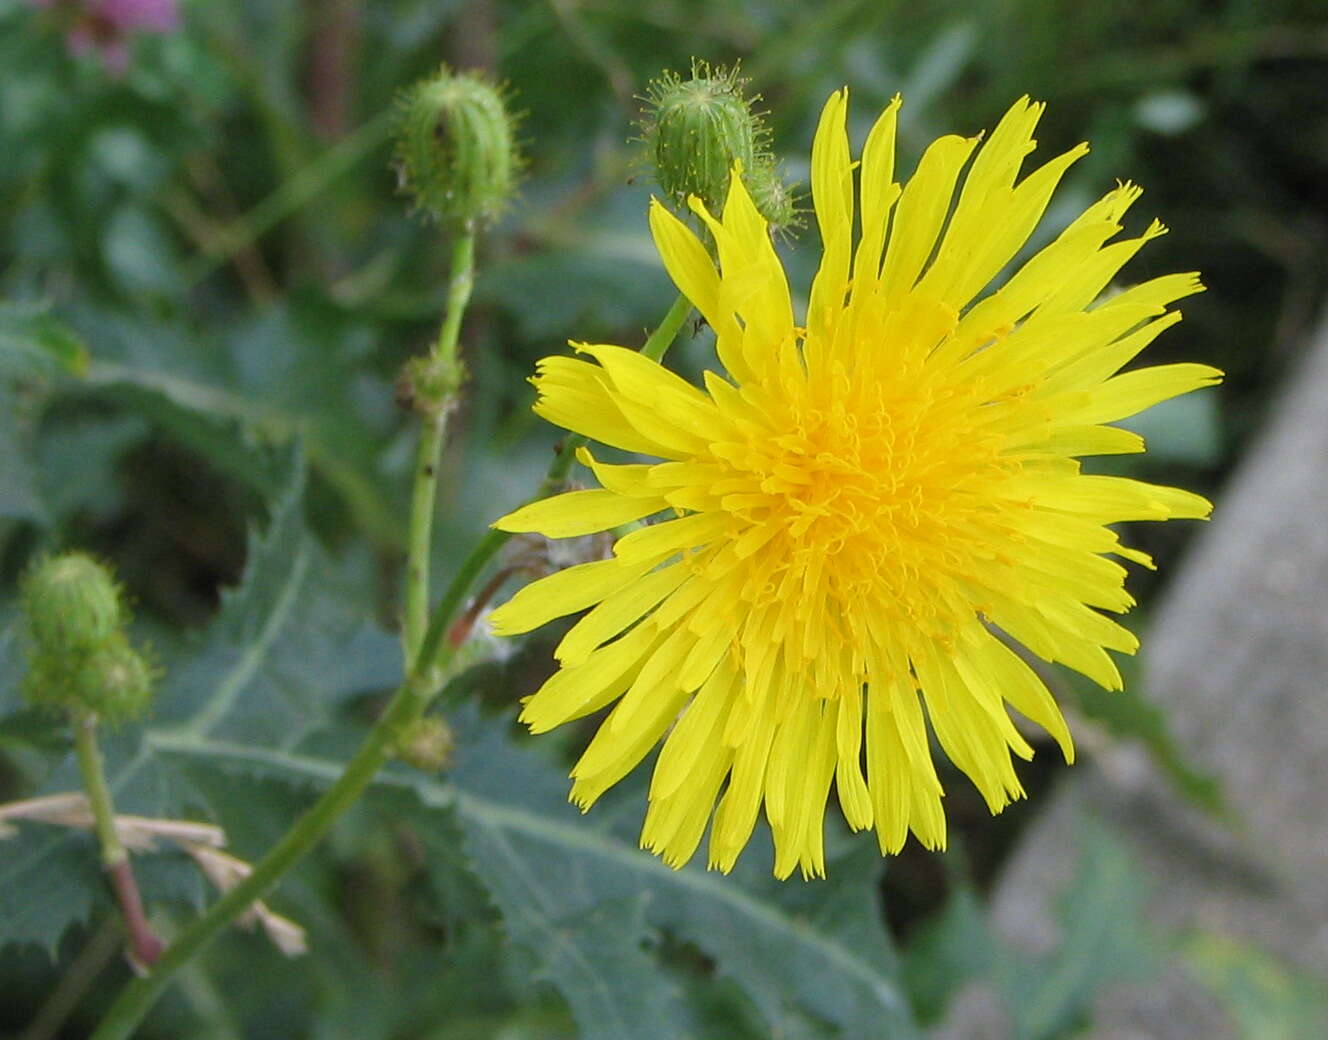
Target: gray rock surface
1237 657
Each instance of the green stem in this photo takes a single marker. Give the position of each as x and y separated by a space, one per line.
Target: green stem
430 450
140 994
662 338
655 346
99 794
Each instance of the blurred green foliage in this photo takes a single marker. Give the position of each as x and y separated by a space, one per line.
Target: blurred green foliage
206 270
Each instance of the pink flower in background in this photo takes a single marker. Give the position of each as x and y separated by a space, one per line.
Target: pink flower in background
106 27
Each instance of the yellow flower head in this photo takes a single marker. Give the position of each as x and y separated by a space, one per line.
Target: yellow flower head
861 506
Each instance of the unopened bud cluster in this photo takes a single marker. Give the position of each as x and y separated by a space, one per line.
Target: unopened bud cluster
456 149
698 128
80 659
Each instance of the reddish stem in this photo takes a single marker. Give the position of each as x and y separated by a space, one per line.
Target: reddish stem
144 946
460 630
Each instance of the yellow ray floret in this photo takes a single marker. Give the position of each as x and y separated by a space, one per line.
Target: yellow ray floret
869 525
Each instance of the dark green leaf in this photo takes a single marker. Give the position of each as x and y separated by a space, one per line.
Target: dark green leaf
34 343
294 369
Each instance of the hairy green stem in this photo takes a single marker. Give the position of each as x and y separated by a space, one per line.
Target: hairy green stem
99 794
430 450
487 548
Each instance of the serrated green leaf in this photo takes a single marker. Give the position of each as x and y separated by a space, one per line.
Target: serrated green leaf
801 952
77 459
595 955
60 880
288 646
291 370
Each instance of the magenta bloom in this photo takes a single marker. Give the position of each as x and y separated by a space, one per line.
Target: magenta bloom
106 27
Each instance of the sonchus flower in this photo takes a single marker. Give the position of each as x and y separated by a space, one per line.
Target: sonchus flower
863 515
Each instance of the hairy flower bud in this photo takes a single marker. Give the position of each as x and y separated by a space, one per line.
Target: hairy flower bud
427 744
72 604
456 151
773 198
112 681
79 658
430 385
698 128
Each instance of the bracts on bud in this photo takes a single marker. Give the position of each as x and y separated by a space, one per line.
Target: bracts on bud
456 148
698 130
80 660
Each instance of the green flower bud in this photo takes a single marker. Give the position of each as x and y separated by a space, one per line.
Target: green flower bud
112 682
698 128
427 744
71 603
430 385
773 198
456 152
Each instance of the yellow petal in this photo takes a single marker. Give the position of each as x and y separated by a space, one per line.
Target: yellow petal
561 593
576 396
879 193
604 676
672 536
921 211
616 612
578 512
832 195
1132 392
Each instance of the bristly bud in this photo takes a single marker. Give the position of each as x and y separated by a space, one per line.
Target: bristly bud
112 682
774 198
427 744
456 150
72 604
430 384
79 658
696 129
